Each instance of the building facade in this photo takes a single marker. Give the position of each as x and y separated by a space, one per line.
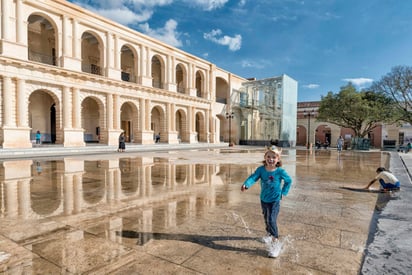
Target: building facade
77 77
309 130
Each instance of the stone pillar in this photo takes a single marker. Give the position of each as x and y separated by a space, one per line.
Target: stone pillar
145 67
5 19
73 132
16 133
111 134
21 28
22 104
7 102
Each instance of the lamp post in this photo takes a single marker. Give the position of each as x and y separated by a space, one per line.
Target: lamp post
230 116
308 114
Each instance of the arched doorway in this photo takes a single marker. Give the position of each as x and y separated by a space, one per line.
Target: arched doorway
91 120
129 119
42 116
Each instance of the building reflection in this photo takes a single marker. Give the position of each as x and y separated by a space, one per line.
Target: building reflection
70 186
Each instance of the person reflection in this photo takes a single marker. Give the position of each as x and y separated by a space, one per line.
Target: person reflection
39 169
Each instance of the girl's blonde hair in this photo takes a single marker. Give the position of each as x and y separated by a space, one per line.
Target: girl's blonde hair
276 151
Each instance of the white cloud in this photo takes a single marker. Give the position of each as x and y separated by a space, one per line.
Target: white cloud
207 5
311 86
167 34
360 82
234 43
125 12
254 64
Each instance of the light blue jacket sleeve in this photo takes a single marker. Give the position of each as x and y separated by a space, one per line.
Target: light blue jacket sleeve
287 182
253 178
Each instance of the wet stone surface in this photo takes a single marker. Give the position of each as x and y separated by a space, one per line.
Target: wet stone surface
182 212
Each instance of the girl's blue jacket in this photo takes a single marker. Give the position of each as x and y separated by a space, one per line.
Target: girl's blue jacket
271 183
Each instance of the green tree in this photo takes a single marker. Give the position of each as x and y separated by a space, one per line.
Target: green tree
398 85
360 111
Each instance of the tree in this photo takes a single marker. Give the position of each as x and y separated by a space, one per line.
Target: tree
398 85
360 111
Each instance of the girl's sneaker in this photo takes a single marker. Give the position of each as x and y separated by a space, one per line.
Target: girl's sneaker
267 239
274 249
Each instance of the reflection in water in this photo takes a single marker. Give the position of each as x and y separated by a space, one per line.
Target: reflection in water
71 185
148 197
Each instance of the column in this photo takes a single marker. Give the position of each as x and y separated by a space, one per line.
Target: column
5 18
109 53
142 115
173 116
76 44
22 105
67 108
116 111
116 53
7 101
109 111
76 108
64 35
20 26
68 197
147 110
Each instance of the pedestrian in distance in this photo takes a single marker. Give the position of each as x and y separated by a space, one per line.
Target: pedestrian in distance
122 143
387 180
38 137
339 144
275 183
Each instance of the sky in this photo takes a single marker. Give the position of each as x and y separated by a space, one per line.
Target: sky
322 44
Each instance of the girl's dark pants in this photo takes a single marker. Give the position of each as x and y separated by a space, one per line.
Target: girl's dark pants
270 214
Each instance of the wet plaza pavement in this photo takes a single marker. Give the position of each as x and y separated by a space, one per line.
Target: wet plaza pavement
182 212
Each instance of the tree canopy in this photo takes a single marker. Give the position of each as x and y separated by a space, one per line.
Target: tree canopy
398 85
360 111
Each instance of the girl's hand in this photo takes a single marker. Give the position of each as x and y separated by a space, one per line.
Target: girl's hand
243 188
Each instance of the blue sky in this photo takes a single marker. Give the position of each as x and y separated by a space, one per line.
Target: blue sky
322 44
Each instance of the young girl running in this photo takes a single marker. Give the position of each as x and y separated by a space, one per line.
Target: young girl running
271 176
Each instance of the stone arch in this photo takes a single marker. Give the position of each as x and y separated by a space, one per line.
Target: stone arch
129 119
301 135
42 42
200 127
46 192
323 133
157 71
92 51
44 111
128 63
92 119
181 126
222 90
158 122
181 173
200 84
181 78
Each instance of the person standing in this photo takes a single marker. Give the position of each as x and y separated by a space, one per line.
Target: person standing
38 137
339 143
271 176
122 143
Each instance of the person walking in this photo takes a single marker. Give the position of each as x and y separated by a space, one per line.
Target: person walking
271 175
122 143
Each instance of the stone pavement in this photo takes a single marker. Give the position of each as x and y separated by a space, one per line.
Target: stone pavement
390 242
331 235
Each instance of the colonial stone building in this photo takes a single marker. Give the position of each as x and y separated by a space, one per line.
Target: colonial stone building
310 129
77 77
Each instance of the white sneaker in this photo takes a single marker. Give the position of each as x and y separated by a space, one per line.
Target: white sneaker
267 239
274 249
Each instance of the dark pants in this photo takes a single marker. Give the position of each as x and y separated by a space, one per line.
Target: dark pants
270 214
